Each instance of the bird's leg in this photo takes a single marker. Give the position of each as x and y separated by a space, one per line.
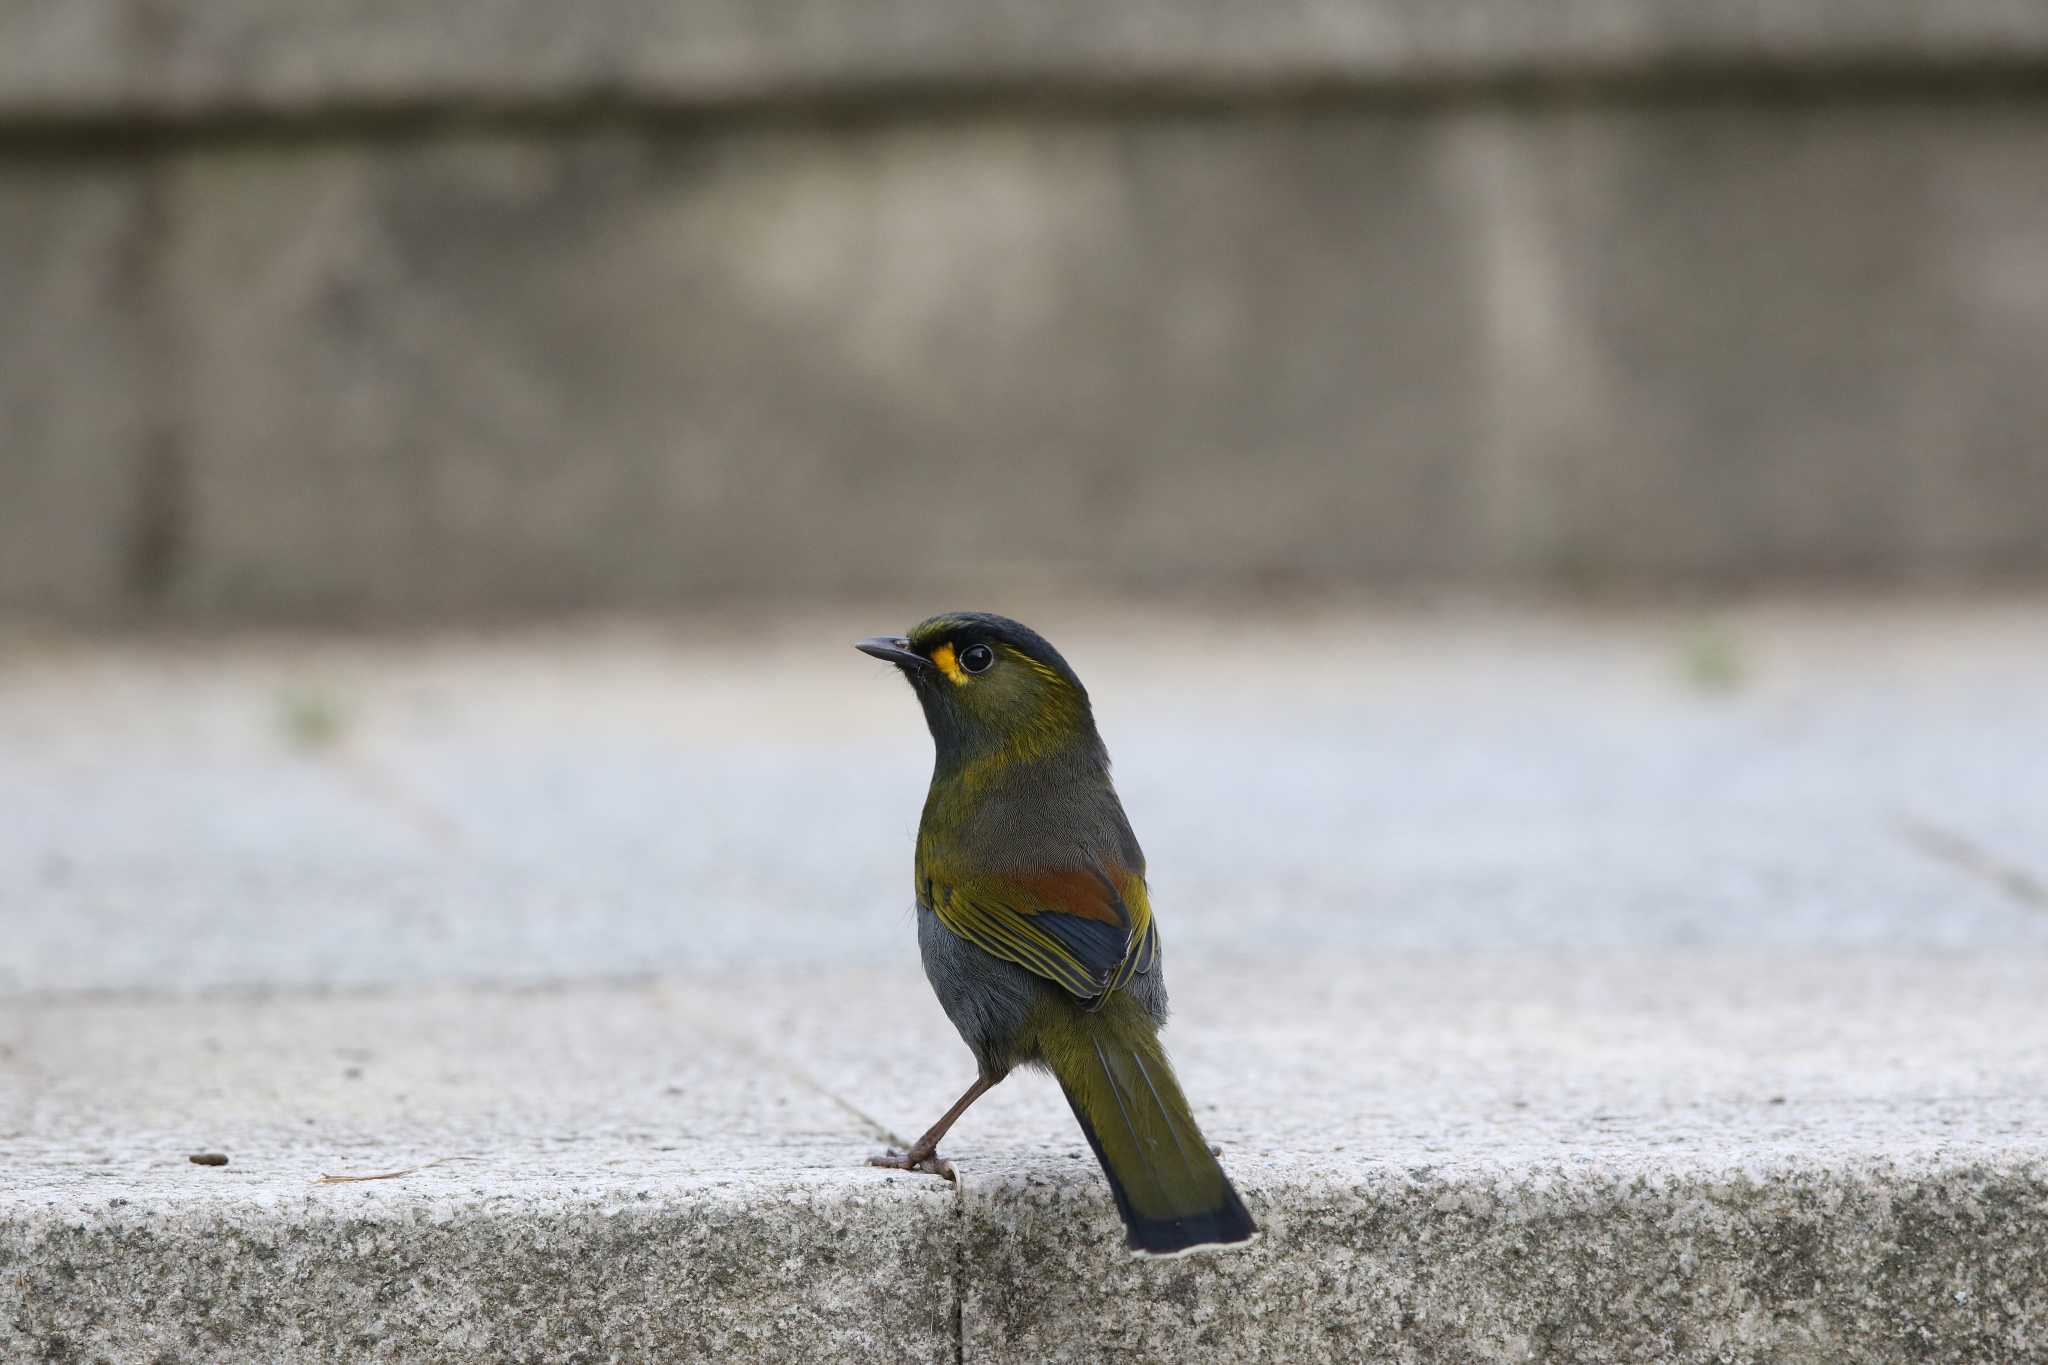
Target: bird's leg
924 1153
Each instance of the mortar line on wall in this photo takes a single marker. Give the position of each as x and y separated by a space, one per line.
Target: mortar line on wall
138 127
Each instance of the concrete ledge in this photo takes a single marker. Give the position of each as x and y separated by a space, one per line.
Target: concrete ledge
1796 1263
1686 1157
701 1274
86 58
1885 1264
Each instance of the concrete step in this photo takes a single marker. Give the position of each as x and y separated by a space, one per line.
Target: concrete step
1558 987
1676 1156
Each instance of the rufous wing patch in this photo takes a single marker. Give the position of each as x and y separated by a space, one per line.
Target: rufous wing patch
1080 892
1084 929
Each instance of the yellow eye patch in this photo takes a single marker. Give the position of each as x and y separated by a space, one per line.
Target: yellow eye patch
945 661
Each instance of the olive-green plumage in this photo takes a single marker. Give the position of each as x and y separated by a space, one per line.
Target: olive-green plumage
1035 926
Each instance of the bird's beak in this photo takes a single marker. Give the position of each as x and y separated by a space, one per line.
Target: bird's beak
893 649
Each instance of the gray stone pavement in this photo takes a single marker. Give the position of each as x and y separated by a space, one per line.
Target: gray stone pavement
1558 986
743 792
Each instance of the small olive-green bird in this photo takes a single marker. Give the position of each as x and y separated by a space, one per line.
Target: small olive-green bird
1034 924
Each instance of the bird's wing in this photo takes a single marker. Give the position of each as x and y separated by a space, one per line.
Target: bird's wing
1087 930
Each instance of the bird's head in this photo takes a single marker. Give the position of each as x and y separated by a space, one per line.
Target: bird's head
994 691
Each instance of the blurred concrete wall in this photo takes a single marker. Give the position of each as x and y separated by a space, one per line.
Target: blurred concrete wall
318 310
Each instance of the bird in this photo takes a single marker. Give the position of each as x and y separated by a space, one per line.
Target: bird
1035 927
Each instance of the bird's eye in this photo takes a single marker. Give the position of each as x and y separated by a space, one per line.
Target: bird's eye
977 658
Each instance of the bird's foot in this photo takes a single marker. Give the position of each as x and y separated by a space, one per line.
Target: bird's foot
926 1162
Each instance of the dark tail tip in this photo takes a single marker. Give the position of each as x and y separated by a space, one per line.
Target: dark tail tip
1227 1224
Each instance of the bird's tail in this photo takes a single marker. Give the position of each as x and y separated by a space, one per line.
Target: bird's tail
1168 1186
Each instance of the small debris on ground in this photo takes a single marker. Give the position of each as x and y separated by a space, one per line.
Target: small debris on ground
208 1158
326 1179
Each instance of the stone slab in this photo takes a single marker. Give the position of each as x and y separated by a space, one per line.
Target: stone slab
1690 1155
604 1163
1709 343
85 470
726 792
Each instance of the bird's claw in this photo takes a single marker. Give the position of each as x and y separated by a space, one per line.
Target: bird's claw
930 1163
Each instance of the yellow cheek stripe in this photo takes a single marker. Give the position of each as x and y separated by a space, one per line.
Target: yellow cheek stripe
948 665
